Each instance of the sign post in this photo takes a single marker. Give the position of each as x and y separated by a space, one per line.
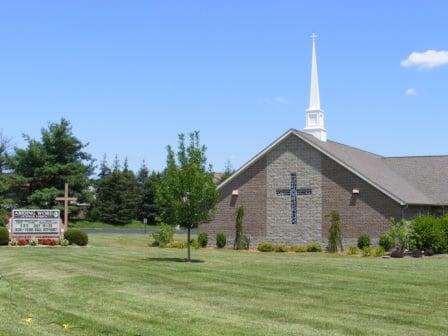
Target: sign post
145 222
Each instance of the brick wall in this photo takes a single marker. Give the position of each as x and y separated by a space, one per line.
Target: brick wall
251 186
369 212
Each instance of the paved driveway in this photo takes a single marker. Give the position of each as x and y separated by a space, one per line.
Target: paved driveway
130 231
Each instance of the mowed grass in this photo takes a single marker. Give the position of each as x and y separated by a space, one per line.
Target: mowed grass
134 225
120 286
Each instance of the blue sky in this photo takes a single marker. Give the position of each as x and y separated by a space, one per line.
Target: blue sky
131 75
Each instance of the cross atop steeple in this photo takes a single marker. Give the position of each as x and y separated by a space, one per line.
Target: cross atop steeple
314 115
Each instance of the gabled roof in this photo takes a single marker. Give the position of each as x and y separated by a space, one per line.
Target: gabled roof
428 173
380 172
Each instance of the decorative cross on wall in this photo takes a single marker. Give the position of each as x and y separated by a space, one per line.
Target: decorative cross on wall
293 192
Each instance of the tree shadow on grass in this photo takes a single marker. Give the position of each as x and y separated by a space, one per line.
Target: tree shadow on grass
169 259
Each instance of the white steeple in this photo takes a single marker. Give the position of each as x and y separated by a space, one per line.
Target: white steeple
314 115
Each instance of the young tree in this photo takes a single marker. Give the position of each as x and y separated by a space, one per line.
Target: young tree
335 232
186 194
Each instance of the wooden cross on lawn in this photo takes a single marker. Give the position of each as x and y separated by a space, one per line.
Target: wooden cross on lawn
66 199
293 192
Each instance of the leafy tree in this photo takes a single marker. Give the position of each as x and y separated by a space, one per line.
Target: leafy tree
46 164
186 194
335 232
228 171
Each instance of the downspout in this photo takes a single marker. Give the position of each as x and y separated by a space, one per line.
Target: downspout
403 208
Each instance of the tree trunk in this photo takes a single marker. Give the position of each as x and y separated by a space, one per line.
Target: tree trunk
188 245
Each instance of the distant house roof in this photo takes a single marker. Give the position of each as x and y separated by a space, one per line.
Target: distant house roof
217 177
407 180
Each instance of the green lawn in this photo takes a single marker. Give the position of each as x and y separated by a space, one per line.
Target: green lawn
119 286
82 224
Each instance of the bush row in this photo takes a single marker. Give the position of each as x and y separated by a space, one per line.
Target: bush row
424 235
270 247
40 241
71 236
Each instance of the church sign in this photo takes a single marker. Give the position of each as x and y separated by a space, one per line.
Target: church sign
35 223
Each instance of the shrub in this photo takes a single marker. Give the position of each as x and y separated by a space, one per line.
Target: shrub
281 248
239 215
4 236
429 252
33 242
77 237
397 253
4 217
194 244
244 243
313 247
363 241
47 241
399 234
335 232
352 250
221 240
13 242
64 242
180 244
203 239
299 248
23 242
427 232
367 251
386 242
378 251
416 253
444 227
265 247
165 236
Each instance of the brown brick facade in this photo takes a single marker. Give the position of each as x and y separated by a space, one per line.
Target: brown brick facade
251 186
267 215
369 212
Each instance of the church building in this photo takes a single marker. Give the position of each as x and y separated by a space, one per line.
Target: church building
288 189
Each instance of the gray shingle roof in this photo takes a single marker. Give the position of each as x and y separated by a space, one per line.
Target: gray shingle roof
408 180
427 173
372 168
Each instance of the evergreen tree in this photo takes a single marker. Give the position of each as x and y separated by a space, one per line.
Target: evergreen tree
46 164
335 232
104 167
147 184
118 196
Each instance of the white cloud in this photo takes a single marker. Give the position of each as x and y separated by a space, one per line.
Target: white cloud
426 60
280 99
410 92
